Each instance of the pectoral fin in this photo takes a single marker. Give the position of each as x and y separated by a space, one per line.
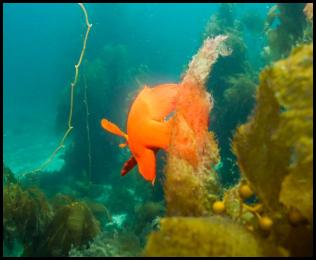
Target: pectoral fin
112 128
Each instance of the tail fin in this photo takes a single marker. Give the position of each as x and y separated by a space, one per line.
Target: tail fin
112 128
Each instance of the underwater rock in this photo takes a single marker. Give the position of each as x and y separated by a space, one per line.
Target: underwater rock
210 236
73 224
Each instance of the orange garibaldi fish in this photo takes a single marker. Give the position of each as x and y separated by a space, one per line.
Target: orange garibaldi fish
147 128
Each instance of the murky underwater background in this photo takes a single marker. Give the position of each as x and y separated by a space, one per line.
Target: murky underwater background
129 46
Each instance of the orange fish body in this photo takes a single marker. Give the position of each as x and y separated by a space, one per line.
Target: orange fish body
147 129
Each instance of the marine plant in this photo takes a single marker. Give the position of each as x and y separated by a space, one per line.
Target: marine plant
253 22
308 31
308 10
221 22
284 100
121 201
110 244
208 236
73 224
193 150
145 214
60 200
284 28
191 182
109 76
225 83
72 85
274 149
99 210
26 215
232 109
8 176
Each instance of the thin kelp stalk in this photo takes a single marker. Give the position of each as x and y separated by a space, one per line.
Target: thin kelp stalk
85 101
73 84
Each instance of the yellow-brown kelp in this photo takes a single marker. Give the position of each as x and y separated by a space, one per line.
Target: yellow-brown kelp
210 236
289 32
275 148
145 213
8 176
308 31
193 149
26 215
191 184
277 142
274 151
73 224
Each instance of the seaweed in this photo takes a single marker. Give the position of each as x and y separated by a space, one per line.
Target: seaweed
60 200
99 211
221 22
26 214
233 108
277 142
253 22
308 11
275 147
72 87
8 176
110 244
110 75
73 224
193 150
146 213
288 33
231 86
208 236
